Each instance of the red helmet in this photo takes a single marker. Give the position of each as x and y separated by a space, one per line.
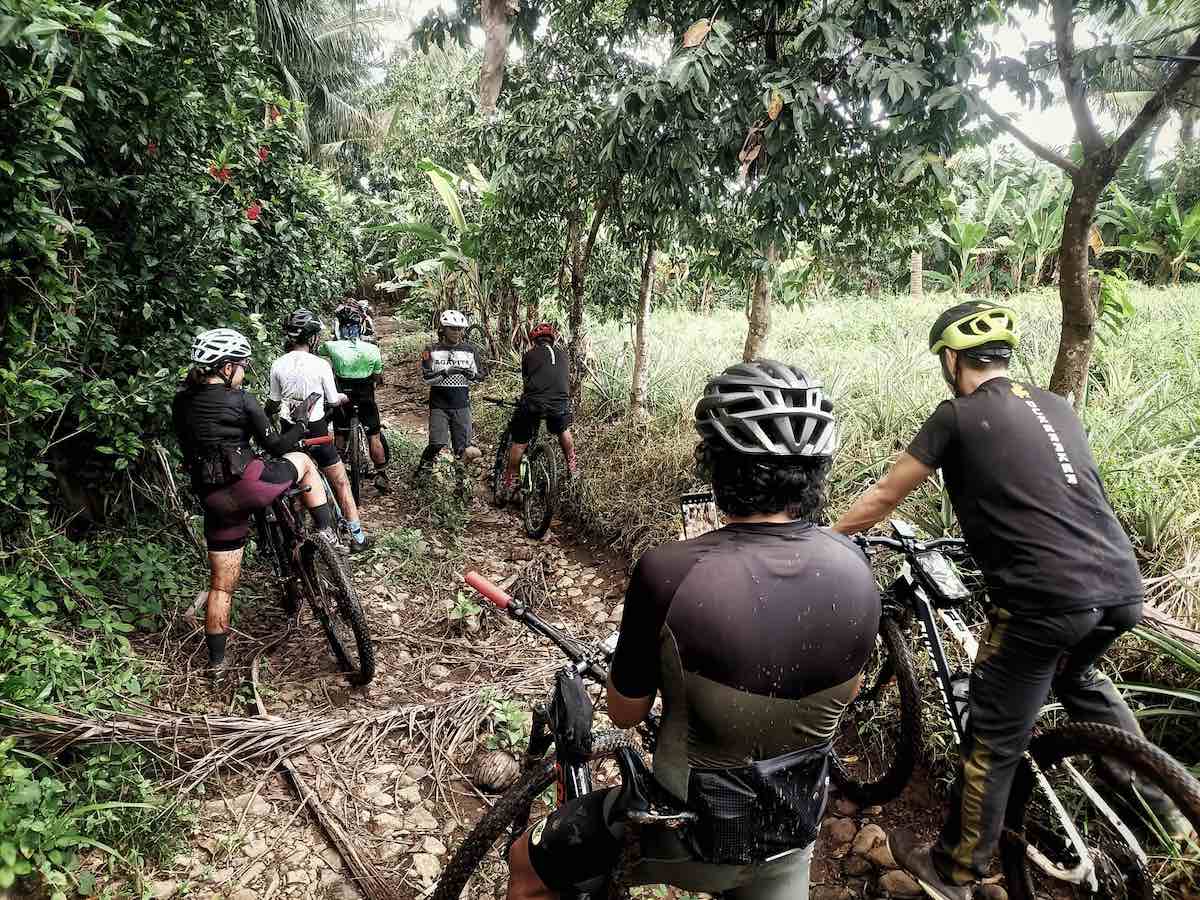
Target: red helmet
542 330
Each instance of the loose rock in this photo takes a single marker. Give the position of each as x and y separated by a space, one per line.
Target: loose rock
832 892
881 855
420 819
868 837
841 831
298 876
857 865
434 846
437 670
160 890
898 883
427 867
384 824
990 892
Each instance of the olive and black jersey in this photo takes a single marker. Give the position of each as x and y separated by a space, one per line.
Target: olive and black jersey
546 375
755 634
1028 496
209 417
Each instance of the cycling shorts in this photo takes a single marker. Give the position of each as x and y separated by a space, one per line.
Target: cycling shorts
228 509
325 455
527 419
361 392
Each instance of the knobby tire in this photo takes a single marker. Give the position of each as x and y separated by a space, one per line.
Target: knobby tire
339 613
500 464
355 457
1078 739
499 819
891 782
544 479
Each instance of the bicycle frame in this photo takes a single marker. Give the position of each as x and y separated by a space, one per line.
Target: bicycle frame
917 591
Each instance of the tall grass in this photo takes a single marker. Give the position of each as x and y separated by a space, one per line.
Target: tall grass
1142 414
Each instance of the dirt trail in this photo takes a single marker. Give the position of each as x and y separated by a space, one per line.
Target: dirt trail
404 799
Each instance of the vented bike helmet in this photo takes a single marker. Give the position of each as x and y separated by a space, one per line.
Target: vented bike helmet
452 318
302 327
767 408
975 325
542 330
213 348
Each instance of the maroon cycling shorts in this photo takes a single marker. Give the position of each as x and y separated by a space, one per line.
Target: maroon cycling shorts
227 510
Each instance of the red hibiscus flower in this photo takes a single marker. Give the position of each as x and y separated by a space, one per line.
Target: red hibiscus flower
262 154
221 174
152 148
253 211
275 113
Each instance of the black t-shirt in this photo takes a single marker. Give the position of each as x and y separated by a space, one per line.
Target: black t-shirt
547 377
208 417
754 634
1028 496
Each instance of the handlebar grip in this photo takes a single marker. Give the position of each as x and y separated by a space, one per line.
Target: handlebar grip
495 596
316 441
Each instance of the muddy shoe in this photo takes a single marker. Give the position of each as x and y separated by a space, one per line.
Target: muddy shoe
218 673
917 860
362 546
382 484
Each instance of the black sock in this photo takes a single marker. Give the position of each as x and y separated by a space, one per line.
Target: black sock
322 515
216 647
429 453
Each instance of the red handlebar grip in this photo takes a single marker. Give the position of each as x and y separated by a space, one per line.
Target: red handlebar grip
317 441
496 596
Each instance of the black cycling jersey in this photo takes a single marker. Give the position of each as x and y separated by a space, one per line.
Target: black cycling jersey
1028 496
755 634
209 417
547 376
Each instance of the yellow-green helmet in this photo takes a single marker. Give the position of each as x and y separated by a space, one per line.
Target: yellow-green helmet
974 324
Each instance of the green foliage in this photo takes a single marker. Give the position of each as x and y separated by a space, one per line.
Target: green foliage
510 720
464 608
1158 241
1115 306
964 237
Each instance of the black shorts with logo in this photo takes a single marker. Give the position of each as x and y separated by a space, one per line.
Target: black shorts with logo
361 392
528 418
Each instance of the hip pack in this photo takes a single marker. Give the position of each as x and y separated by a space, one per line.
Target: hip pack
751 813
223 465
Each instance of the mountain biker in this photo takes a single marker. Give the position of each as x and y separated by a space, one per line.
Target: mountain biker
350 302
546 376
756 635
357 368
214 419
1060 572
449 366
295 375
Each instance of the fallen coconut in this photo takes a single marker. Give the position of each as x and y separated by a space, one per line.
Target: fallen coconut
497 771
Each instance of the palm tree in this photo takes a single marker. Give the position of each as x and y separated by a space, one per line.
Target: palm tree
323 51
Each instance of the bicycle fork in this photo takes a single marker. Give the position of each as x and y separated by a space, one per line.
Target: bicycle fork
1085 871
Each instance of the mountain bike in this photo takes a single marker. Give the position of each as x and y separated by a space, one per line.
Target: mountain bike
309 568
1063 836
357 455
571 768
537 477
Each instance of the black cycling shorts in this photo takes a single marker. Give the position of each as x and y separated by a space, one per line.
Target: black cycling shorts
574 843
325 455
361 392
527 419
227 510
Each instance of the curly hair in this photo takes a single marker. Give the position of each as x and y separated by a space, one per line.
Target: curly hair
748 485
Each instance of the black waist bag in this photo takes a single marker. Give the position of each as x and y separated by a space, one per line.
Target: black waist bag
754 812
223 465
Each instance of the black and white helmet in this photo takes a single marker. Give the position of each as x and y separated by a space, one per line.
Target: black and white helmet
769 408
217 346
302 326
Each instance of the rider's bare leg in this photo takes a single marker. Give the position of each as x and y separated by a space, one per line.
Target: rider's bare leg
341 487
315 498
523 881
225 568
377 455
514 461
567 442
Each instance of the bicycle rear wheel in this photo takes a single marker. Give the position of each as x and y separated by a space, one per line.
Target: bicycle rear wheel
477 337
335 605
359 461
1120 873
512 808
500 464
540 493
878 737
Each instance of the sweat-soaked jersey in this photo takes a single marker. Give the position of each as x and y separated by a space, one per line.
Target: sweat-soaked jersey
755 634
1028 496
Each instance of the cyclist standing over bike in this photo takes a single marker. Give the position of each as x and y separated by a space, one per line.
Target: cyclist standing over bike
546 376
756 635
357 368
350 302
215 419
449 366
295 375
1060 572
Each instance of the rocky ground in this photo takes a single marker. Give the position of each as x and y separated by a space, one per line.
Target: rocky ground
462 676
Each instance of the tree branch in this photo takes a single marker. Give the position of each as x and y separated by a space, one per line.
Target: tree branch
1064 43
1033 146
1154 106
596 217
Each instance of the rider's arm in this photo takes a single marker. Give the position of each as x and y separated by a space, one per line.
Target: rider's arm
634 674
882 498
266 437
333 397
923 457
428 375
273 407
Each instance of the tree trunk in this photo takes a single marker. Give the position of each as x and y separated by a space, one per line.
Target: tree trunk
1079 313
578 346
760 309
1187 128
641 367
916 275
495 48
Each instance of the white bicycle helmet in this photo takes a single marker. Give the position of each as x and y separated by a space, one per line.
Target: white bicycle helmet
452 318
767 408
217 346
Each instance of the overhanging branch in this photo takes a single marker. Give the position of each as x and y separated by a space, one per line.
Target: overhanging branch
1155 105
1039 150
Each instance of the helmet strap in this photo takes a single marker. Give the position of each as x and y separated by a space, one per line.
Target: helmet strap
951 378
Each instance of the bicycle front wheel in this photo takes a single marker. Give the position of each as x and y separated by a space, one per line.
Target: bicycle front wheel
1095 752
511 809
540 493
878 737
500 464
335 605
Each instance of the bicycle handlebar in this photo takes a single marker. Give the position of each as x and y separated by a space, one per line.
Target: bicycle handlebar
316 441
867 541
491 592
496 400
